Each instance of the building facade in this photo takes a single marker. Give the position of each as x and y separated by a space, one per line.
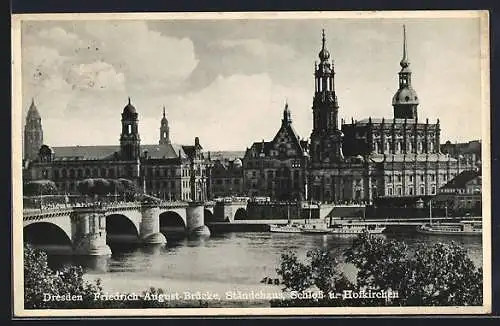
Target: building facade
462 193
226 178
166 170
277 168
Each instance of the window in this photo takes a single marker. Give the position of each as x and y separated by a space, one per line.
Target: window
398 178
410 191
129 129
390 179
389 190
400 192
421 177
411 178
422 190
433 177
433 191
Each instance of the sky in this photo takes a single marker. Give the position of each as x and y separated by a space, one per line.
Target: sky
226 81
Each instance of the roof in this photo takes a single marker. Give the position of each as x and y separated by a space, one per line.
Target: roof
108 151
85 152
461 180
473 146
164 151
226 155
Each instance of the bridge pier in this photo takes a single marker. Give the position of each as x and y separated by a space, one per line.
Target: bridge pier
195 221
89 232
150 225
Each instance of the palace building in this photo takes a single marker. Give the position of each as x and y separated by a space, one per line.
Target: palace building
166 170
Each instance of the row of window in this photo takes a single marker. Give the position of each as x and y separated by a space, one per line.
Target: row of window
411 191
399 147
411 178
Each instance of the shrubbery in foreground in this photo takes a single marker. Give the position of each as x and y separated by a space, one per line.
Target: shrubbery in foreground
437 275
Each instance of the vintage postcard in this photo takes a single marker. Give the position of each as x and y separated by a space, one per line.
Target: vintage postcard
272 163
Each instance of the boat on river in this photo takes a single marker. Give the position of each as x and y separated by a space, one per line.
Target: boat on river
471 227
286 228
460 228
290 227
315 228
358 228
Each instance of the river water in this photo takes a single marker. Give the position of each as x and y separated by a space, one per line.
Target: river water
234 261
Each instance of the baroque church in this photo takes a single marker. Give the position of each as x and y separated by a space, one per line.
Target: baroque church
374 158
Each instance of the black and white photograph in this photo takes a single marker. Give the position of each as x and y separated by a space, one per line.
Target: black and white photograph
272 163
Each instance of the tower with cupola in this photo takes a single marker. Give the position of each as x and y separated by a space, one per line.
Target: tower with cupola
130 140
326 138
164 130
405 101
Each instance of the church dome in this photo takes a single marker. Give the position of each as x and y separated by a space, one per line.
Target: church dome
406 95
129 109
324 54
237 163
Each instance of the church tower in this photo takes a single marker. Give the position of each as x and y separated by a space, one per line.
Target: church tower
326 138
129 138
405 101
164 130
33 133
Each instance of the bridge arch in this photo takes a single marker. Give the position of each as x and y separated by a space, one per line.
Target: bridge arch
46 233
241 214
119 225
169 219
208 215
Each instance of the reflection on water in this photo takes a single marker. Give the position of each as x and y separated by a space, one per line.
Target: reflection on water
228 258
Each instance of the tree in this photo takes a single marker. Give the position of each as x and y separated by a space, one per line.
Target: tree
437 275
325 273
296 276
40 281
39 187
382 265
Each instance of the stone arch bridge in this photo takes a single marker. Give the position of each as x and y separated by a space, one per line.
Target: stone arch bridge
85 226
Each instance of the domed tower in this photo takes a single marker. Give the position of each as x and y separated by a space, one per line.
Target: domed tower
405 101
33 132
164 130
129 138
326 138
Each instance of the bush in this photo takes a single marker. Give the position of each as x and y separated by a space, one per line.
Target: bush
103 187
39 187
437 275
41 282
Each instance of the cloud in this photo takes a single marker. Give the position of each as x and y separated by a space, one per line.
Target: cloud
258 48
96 75
143 55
